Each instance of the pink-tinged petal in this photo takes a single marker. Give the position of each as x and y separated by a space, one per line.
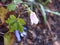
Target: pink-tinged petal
33 18
56 43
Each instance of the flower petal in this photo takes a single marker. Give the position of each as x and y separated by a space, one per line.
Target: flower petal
33 18
17 35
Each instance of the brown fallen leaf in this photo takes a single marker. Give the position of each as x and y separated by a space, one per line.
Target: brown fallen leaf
9 41
12 39
3 12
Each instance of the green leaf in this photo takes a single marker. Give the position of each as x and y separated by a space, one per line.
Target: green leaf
43 12
21 21
12 17
15 23
20 28
11 7
17 1
6 36
11 29
15 26
8 21
53 12
11 20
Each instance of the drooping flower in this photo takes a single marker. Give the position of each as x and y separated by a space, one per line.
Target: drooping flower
33 18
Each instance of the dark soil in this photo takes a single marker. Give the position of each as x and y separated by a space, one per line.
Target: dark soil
35 33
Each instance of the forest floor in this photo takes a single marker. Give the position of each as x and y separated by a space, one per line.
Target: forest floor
39 34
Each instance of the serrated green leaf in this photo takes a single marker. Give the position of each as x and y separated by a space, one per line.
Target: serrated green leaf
12 17
20 27
21 21
11 29
11 20
15 26
8 21
11 7
15 23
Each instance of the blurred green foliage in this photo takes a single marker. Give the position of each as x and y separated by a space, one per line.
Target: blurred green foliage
15 23
12 6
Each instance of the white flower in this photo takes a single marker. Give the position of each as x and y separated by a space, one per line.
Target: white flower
33 18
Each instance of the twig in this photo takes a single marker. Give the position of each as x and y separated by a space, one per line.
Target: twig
18 11
49 28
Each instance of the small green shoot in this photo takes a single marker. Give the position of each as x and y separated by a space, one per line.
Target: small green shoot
12 6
